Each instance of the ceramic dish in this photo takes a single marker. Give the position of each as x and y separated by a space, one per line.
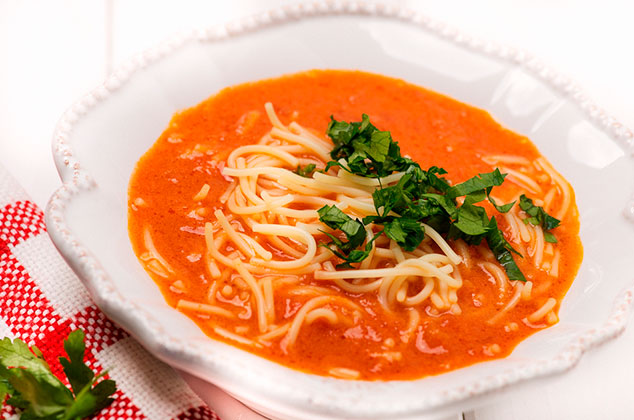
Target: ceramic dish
100 138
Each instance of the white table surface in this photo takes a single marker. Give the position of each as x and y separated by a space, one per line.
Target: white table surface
52 52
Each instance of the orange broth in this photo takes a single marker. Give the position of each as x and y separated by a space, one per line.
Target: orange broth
433 130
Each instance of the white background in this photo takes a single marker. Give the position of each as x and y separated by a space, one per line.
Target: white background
52 52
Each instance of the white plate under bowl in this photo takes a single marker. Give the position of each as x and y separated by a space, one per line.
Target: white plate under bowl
100 138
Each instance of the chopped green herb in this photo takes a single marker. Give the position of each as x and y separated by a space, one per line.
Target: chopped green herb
539 217
502 209
502 251
33 389
418 197
408 233
306 171
367 151
477 183
472 220
354 231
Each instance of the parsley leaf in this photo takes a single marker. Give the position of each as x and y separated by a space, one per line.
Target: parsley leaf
408 233
472 220
379 145
81 377
355 256
32 388
502 209
306 171
78 374
538 216
353 229
397 197
477 183
502 251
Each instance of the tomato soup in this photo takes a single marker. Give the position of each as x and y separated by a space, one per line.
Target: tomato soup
220 231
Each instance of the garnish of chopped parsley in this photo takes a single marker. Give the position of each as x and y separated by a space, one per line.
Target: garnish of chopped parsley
26 379
420 196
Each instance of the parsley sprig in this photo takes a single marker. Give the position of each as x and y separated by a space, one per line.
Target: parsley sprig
420 196
31 387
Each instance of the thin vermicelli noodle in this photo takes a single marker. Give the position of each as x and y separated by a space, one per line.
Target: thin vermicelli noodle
243 251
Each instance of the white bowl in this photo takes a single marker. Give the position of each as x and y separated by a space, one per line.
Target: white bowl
100 138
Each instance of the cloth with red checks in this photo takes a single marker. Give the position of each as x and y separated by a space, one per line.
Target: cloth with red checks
41 301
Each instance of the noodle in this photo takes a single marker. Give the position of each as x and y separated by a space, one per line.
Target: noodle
275 333
235 337
154 254
561 183
202 194
522 180
321 313
344 373
293 331
203 309
510 304
497 273
541 312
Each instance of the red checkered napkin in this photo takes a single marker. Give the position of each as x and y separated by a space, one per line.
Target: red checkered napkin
41 301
